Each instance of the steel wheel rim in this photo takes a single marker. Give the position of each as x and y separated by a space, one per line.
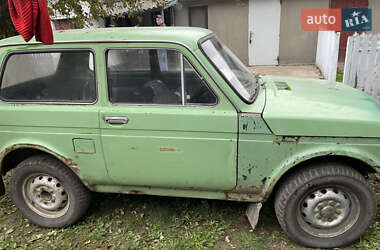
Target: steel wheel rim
328 211
45 195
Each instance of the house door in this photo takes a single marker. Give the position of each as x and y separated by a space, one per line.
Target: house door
264 32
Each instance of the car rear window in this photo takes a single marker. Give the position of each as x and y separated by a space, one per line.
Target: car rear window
67 76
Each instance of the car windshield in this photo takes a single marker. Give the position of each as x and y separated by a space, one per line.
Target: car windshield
239 77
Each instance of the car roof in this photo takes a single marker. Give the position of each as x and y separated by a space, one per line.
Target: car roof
188 36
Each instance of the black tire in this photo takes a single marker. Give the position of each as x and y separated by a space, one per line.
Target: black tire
325 205
41 177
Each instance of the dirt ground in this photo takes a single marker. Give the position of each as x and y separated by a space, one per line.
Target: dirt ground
307 71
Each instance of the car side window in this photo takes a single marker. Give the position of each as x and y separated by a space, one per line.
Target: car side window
154 76
196 90
49 77
144 76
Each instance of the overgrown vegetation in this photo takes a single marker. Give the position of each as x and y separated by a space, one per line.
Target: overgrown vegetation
6 27
79 12
339 76
148 222
82 11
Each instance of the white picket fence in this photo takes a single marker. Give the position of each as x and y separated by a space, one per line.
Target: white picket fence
327 53
362 65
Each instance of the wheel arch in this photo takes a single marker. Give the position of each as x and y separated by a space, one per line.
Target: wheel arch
15 154
363 166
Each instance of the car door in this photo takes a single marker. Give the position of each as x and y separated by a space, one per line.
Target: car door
49 101
165 123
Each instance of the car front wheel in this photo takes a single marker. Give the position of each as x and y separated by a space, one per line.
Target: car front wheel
47 192
325 206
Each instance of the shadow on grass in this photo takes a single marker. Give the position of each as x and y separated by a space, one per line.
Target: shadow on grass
116 221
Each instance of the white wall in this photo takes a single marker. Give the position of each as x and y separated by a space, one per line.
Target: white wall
327 53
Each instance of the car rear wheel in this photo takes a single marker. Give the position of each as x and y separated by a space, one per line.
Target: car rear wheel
47 192
325 206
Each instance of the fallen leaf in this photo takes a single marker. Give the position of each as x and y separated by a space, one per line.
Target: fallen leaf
37 237
200 218
10 230
52 233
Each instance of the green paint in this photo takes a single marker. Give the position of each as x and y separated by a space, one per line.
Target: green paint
233 150
320 108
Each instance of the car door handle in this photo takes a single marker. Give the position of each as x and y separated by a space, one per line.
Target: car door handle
116 120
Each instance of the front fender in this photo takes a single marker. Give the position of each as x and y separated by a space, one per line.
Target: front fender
263 160
302 159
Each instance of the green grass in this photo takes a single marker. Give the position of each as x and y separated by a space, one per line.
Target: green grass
148 222
371 239
249 240
339 76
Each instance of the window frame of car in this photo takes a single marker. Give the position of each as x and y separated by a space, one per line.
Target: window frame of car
183 57
51 50
200 47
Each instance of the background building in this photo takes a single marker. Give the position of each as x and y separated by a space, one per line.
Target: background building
266 32
260 32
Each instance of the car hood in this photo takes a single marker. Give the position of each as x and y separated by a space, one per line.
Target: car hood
310 107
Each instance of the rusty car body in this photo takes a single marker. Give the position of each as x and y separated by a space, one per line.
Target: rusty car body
239 139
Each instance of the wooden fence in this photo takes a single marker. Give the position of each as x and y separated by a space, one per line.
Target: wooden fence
327 54
362 65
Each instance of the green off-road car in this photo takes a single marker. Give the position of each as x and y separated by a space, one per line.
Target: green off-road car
173 112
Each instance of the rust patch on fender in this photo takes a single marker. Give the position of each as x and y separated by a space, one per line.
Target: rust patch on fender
247 197
264 180
135 192
288 139
270 188
67 161
167 149
227 195
252 123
